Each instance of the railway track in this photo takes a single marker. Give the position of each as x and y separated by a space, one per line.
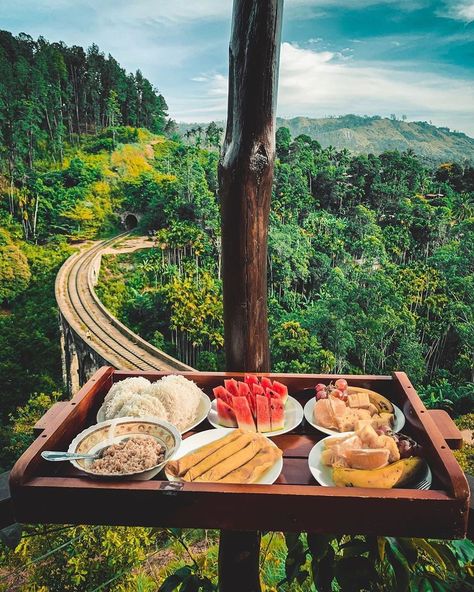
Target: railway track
88 317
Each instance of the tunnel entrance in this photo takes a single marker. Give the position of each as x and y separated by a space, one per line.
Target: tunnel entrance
130 221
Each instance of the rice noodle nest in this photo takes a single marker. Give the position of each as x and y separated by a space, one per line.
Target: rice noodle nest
136 385
173 398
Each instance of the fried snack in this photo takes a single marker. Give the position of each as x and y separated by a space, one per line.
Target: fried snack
177 468
226 452
233 462
253 469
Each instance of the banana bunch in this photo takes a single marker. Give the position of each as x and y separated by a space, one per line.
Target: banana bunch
396 474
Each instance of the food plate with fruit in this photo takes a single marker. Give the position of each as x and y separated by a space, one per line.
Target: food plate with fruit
338 408
255 405
367 459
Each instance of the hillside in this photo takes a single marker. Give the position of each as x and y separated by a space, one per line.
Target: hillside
362 135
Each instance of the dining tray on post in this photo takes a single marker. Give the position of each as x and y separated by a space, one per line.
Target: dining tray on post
45 492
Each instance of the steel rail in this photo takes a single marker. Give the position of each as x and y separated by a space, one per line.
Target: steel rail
88 318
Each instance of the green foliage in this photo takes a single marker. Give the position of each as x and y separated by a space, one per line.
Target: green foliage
19 435
371 564
15 272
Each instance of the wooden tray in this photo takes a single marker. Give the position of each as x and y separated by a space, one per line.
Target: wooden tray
56 493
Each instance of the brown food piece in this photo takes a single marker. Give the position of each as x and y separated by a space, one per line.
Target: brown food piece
232 463
177 468
219 456
253 469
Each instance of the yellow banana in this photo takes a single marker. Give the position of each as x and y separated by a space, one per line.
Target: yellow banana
397 473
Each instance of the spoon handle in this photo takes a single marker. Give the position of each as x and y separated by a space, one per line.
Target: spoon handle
57 456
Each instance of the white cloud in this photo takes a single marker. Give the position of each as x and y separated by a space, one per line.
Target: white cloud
462 10
316 84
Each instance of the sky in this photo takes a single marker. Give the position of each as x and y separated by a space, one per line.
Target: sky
368 57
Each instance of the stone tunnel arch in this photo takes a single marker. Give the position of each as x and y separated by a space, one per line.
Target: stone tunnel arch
130 221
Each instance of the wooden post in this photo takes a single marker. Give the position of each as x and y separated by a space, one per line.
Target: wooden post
245 180
245 186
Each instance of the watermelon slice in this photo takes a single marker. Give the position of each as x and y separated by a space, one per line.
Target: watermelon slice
225 414
243 414
266 382
258 389
251 379
264 423
222 393
277 413
281 389
232 386
244 389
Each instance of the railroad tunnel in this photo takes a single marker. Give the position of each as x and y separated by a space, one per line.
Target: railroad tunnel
130 221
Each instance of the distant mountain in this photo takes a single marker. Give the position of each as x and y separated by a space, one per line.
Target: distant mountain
363 135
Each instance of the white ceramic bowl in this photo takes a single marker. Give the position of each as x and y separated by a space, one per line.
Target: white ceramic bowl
114 431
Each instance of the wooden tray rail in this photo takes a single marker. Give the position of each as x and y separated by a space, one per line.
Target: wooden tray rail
57 493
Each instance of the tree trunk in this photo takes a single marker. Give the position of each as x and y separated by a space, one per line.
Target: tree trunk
245 186
245 180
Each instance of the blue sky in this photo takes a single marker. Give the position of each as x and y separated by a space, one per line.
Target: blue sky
408 57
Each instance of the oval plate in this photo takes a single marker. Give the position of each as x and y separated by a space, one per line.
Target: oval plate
308 415
293 417
202 438
323 474
201 414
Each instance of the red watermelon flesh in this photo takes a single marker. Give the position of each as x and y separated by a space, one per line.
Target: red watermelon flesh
251 379
257 389
225 414
277 413
243 414
266 382
222 393
232 386
281 389
264 423
252 404
244 389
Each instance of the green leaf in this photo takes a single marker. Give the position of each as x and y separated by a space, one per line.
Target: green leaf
354 573
207 585
295 558
463 549
323 570
319 544
191 584
400 568
174 580
381 542
431 552
410 550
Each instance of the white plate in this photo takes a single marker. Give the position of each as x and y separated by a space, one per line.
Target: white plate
323 474
202 438
293 417
201 414
308 414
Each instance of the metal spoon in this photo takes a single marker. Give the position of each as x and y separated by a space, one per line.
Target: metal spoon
57 456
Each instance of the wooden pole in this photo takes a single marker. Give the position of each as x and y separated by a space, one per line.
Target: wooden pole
245 180
245 186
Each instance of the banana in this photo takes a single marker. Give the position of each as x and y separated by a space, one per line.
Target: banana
397 473
411 466
383 478
383 404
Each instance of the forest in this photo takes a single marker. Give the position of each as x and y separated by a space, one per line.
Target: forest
370 270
